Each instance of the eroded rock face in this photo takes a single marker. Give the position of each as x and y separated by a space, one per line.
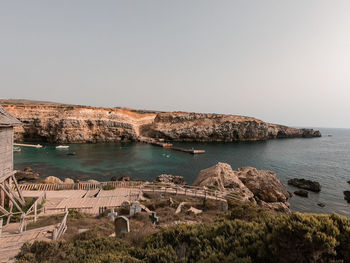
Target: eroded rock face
184 126
59 123
223 178
260 186
264 184
77 124
171 179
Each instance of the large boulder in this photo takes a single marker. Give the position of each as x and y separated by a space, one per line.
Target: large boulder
53 180
27 175
264 184
221 177
258 186
68 181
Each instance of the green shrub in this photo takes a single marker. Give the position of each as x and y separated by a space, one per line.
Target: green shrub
256 237
108 187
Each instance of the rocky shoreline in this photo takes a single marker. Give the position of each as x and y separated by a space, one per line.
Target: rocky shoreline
59 123
248 184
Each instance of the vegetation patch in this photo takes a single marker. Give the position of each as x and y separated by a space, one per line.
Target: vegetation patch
244 234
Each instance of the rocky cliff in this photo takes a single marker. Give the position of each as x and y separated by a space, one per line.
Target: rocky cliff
77 124
182 126
59 123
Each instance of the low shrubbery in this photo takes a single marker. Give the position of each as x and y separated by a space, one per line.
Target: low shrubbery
249 236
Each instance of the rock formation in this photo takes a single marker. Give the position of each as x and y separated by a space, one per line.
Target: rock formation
182 126
305 184
27 175
53 180
170 179
60 123
347 196
302 193
77 124
221 177
264 184
258 186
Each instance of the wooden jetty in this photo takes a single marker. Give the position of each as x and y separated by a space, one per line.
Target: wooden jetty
168 145
28 145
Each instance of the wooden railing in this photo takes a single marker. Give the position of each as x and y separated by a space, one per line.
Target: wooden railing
62 227
187 190
79 186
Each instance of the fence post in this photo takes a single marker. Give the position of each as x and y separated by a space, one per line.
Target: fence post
35 210
1 222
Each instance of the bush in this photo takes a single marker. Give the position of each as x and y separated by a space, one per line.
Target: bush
108 187
265 238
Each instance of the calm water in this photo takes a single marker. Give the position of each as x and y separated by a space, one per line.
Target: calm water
325 160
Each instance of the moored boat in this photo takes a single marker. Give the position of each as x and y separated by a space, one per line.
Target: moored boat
62 147
17 149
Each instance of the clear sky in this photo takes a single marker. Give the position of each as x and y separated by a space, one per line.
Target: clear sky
285 62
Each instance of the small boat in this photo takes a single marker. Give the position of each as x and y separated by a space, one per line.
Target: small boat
62 147
17 149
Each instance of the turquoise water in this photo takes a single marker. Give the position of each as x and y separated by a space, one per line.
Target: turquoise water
324 159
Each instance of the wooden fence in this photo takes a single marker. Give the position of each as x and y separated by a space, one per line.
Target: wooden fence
79 186
62 227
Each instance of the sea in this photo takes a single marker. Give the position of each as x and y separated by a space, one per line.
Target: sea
325 160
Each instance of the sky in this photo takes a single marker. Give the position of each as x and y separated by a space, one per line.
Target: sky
285 62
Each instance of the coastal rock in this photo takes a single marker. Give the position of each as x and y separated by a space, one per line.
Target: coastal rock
223 178
27 175
185 126
68 181
257 186
305 184
348 182
171 179
302 193
321 204
347 196
263 184
53 180
61 123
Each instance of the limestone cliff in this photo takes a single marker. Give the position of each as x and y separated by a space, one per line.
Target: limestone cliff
77 124
60 123
182 126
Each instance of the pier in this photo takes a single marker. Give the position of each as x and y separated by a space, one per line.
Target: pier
28 145
168 145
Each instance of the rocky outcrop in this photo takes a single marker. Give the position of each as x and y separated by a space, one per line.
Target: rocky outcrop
347 196
221 177
77 124
258 186
53 180
27 175
302 193
305 184
59 123
170 179
183 126
264 184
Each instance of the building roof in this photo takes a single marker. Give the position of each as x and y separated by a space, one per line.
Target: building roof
6 120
